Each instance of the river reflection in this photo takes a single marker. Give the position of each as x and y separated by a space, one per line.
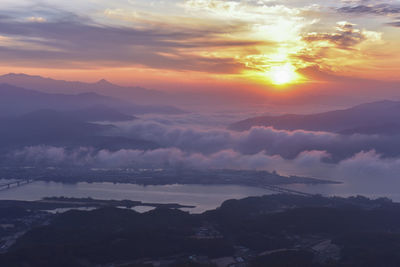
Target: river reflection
347 189
204 197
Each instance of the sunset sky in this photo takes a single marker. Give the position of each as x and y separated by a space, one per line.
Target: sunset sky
184 44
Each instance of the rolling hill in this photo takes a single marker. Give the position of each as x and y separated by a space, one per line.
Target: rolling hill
55 128
381 117
16 101
104 87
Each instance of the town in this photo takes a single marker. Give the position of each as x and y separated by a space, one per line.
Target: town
274 230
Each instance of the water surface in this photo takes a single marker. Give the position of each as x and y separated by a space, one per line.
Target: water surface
204 197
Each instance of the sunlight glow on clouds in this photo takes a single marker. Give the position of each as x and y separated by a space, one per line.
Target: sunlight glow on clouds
242 38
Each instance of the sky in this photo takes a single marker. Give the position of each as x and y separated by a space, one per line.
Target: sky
343 47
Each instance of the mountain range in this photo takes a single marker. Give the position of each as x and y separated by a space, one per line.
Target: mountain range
103 87
381 117
32 118
63 129
16 101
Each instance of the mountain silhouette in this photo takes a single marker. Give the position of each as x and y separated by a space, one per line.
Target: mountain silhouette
369 118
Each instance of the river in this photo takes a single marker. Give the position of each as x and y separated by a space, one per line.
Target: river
204 197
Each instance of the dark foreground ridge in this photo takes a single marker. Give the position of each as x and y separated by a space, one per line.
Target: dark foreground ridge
52 203
275 230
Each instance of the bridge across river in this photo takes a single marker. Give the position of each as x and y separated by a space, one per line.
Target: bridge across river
16 183
282 190
274 188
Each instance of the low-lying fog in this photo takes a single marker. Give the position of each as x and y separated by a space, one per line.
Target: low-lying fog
195 140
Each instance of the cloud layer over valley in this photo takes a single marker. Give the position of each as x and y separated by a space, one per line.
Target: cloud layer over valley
184 143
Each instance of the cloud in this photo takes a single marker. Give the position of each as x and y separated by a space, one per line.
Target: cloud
44 155
158 158
192 138
364 162
81 42
346 36
244 38
36 19
384 9
366 172
162 158
342 49
375 8
210 36
394 23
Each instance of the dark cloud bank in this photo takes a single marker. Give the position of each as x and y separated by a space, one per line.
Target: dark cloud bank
80 42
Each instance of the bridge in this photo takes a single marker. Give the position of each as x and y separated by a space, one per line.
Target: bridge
282 190
16 183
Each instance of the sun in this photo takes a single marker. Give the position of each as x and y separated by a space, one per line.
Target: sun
282 74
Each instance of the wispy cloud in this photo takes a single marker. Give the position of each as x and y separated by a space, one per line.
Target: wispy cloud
374 9
81 42
346 36
240 38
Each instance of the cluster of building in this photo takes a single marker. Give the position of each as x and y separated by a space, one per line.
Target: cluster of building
13 228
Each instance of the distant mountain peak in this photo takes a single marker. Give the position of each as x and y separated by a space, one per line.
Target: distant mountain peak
101 87
20 75
14 75
103 82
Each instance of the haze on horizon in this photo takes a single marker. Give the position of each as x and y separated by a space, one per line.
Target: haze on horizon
301 48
